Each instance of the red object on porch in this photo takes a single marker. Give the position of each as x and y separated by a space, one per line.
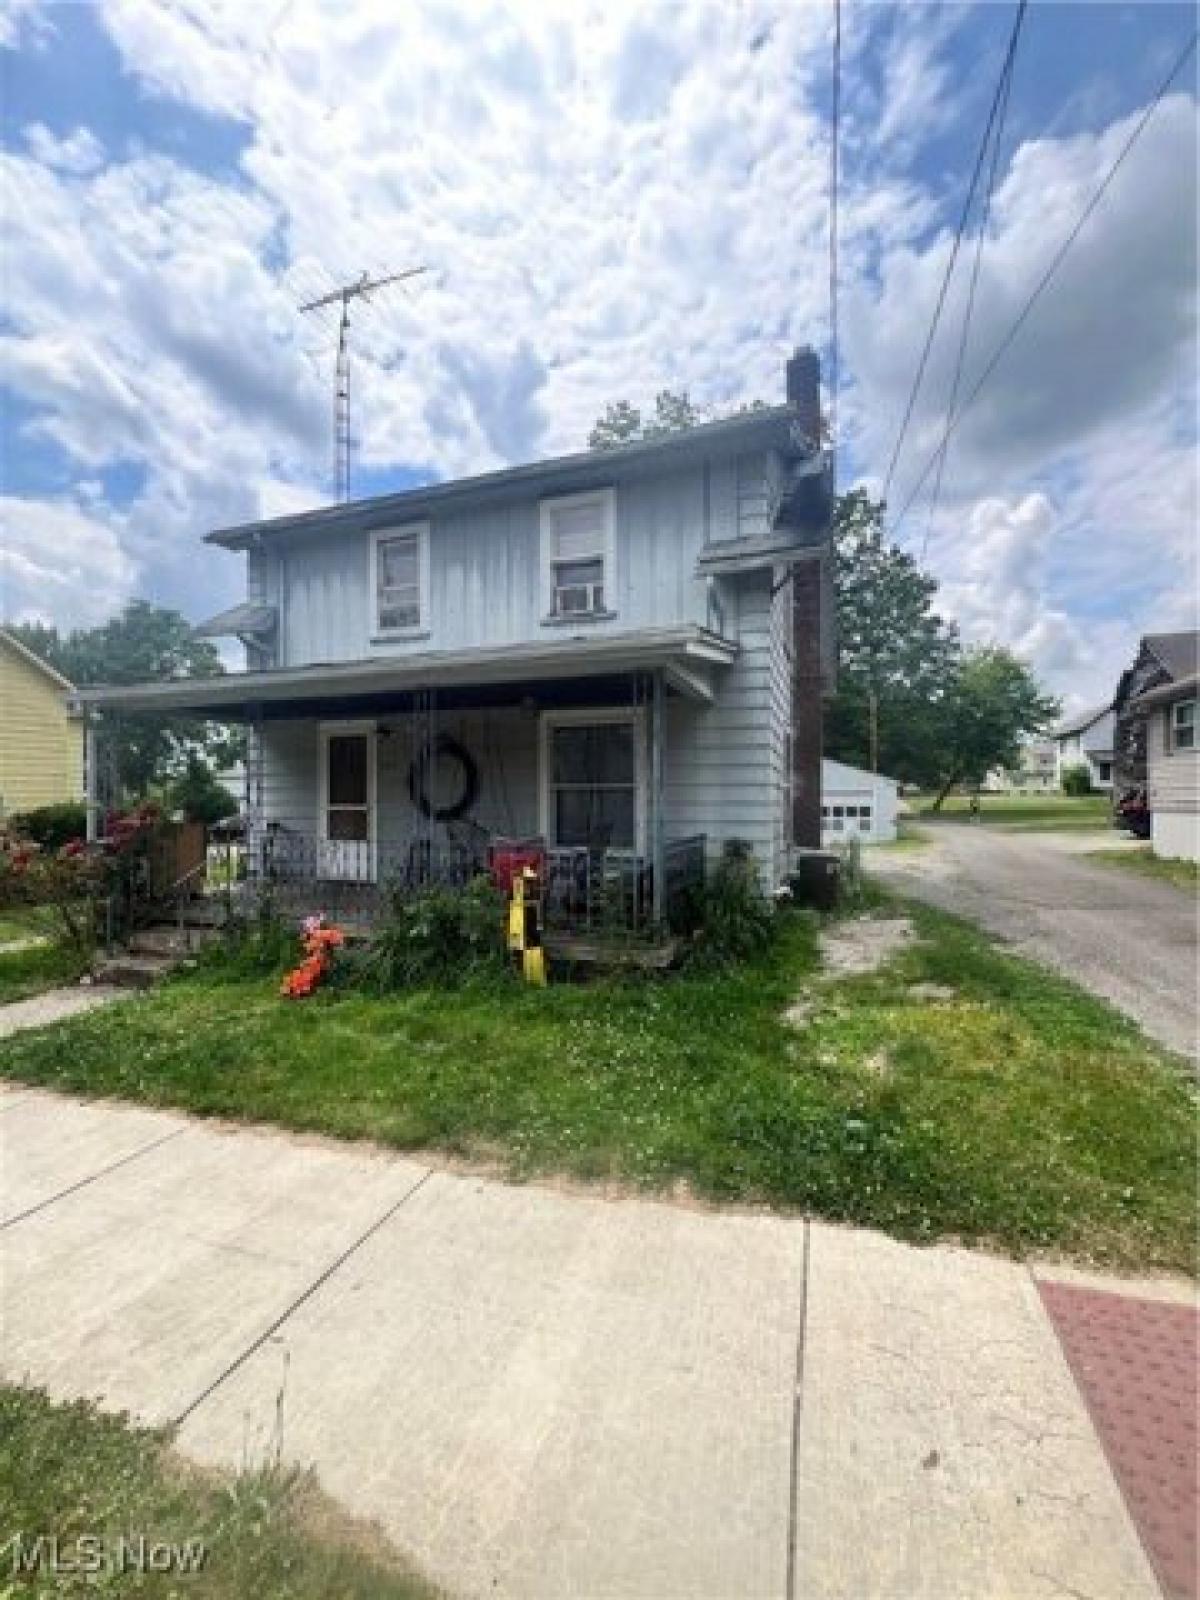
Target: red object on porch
508 858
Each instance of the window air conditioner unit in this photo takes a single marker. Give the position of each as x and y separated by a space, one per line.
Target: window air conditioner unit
577 599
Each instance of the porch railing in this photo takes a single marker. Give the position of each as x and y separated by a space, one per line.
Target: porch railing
585 891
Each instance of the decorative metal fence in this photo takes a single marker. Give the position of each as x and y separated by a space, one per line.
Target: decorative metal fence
353 881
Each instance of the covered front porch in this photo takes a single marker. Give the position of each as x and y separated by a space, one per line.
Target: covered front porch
365 782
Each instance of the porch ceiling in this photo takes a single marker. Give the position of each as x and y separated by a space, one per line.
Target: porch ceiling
576 667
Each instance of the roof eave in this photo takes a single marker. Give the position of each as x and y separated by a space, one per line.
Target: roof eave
773 424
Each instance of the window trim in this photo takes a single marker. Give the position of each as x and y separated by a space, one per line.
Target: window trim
1174 748
593 717
546 508
378 536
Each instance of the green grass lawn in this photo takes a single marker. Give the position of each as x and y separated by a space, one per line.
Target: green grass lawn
70 1472
26 922
1036 812
1143 860
1018 1110
43 966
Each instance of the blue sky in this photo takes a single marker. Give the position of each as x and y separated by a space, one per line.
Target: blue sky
613 199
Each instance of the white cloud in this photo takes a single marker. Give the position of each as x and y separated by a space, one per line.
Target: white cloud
79 152
613 199
60 562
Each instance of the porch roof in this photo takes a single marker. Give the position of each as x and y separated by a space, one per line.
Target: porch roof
687 657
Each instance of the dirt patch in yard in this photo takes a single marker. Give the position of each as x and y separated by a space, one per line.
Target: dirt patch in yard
864 944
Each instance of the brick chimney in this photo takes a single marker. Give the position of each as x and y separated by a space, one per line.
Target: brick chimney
804 391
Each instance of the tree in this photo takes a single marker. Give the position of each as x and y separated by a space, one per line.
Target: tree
897 657
143 643
994 703
200 795
622 422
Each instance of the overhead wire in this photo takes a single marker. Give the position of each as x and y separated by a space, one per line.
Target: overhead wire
1051 271
964 216
968 312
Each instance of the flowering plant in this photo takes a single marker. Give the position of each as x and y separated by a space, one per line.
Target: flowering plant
319 940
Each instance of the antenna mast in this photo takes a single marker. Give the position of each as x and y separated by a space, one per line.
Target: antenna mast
360 288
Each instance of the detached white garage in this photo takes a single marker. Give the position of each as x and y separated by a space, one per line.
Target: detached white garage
857 805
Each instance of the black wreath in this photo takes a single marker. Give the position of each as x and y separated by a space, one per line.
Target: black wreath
418 779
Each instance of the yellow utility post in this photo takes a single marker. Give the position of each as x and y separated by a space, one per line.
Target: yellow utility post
525 926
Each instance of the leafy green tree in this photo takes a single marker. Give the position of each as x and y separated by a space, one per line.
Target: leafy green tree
994 703
143 643
897 657
623 422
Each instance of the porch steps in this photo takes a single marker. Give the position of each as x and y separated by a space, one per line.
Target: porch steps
125 971
152 953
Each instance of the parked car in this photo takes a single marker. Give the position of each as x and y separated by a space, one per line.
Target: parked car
1133 814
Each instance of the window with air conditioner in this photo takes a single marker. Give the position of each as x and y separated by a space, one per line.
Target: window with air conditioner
577 556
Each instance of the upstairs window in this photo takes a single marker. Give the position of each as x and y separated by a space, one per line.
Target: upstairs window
578 576
1183 725
400 581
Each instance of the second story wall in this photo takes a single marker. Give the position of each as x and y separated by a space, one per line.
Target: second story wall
485 584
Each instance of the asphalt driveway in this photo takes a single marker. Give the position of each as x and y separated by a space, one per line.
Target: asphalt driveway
1130 939
540 1393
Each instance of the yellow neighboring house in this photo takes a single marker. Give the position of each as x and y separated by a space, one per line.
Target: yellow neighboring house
41 744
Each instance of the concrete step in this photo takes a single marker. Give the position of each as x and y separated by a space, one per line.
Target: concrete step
169 939
130 971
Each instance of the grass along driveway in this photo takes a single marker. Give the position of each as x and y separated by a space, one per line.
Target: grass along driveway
1042 813
1002 1105
1142 860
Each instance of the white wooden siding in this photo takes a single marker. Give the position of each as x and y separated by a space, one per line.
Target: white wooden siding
1172 777
485 568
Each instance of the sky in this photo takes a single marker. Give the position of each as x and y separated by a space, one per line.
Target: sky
611 199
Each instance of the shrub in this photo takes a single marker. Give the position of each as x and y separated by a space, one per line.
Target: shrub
731 918
200 795
51 826
438 936
251 947
1076 781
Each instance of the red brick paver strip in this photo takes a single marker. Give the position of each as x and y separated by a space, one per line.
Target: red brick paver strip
1135 1362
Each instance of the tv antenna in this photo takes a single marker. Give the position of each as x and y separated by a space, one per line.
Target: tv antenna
360 288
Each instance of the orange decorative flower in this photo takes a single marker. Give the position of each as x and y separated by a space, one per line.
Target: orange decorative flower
319 942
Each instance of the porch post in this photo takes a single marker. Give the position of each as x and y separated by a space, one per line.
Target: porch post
91 776
657 840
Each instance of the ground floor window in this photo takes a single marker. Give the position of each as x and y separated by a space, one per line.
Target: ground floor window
847 818
592 783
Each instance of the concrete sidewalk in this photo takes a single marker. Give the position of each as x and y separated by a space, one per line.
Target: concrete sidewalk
538 1393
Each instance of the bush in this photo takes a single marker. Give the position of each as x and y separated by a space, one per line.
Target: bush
731 919
51 826
1076 781
259 946
442 936
200 795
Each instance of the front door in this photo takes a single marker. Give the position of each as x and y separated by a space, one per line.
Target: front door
346 848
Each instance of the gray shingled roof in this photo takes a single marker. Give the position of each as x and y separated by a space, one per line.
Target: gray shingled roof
1178 652
1079 722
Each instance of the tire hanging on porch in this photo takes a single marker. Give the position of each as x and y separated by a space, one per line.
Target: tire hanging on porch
419 773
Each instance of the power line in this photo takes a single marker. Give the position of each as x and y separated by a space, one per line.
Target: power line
1047 276
835 119
1005 71
341 296
968 312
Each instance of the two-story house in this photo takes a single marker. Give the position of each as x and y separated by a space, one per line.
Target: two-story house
1086 740
618 653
